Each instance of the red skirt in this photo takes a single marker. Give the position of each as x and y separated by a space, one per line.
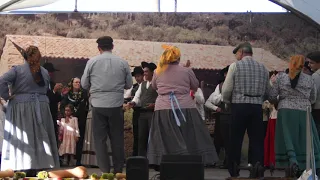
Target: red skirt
269 152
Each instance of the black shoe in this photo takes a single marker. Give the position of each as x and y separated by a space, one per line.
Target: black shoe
234 171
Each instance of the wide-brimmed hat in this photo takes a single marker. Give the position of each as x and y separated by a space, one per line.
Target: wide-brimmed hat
137 70
49 67
151 66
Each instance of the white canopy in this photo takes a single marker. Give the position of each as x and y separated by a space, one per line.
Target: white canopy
9 5
306 9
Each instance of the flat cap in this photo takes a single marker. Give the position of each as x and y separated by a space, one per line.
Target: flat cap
314 56
246 45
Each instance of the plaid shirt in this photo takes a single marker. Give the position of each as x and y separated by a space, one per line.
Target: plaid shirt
247 81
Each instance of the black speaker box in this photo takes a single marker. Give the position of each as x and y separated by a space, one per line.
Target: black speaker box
181 167
137 168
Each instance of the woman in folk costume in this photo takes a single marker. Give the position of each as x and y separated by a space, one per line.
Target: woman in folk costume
78 97
177 127
271 115
29 139
296 91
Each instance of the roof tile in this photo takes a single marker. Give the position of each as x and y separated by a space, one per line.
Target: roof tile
201 56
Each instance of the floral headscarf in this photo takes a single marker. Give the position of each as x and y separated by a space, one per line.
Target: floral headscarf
33 56
171 54
295 67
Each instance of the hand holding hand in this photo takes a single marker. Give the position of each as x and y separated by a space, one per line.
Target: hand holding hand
151 106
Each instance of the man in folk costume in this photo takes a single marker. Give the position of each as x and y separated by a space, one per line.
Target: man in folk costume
145 97
54 95
246 87
107 75
221 132
138 75
314 63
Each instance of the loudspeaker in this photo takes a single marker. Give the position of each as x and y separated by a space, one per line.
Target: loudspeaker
137 167
181 167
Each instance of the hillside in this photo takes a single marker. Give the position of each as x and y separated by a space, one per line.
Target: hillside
283 34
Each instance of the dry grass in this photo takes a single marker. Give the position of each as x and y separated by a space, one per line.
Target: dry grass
282 34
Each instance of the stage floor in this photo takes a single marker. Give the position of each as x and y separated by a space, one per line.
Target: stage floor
210 173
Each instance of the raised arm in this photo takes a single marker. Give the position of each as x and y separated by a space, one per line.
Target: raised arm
274 90
85 79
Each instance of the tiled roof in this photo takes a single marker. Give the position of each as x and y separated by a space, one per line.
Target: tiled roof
201 56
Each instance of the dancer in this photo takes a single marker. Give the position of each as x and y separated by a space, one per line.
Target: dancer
28 117
176 126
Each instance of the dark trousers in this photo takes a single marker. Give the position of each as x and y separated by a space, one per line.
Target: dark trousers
265 126
144 127
56 128
135 120
224 129
316 118
217 135
82 129
245 117
221 133
108 122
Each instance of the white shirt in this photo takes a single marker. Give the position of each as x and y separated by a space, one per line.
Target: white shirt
137 97
127 93
199 99
214 99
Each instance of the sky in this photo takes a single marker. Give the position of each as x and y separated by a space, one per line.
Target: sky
166 6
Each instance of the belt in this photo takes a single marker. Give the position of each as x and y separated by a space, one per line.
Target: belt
247 95
35 97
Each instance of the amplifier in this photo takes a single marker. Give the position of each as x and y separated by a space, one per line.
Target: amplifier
181 167
137 167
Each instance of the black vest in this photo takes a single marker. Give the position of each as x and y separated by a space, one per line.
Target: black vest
135 88
148 96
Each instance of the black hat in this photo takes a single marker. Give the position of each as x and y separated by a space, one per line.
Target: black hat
137 70
151 66
49 67
314 56
224 70
105 41
246 45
